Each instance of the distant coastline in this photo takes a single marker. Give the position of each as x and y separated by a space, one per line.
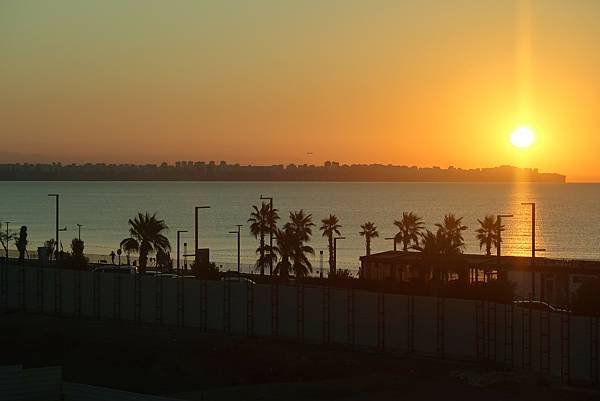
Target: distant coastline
211 171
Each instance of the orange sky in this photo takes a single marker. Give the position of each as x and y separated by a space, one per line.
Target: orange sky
414 82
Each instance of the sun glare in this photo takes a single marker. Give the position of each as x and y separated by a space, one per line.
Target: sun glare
522 137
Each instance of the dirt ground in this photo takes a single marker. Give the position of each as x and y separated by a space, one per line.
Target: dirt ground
187 364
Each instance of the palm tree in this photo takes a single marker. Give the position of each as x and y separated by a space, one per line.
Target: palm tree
21 243
489 233
369 231
451 229
409 229
301 224
330 227
292 253
262 222
146 236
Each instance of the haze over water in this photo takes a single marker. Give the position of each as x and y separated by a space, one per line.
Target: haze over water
568 216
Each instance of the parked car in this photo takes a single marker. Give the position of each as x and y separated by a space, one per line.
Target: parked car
239 279
539 305
115 269
151 273
167 275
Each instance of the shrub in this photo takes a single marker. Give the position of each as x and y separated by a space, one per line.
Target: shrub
586 300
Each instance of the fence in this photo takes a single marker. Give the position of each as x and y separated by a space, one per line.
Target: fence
45 384
551 343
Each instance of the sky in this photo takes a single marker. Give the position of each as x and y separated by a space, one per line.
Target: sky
427 83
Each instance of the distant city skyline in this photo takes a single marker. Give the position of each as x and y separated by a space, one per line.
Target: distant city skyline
189 170
412 82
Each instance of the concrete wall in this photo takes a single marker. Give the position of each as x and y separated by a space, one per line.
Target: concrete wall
554 344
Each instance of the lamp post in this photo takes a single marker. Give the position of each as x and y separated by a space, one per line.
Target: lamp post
532 204
179 232
270 199
56 197
196 232
335 252
321 264
238 232
499 217
79 229
533 247
393 239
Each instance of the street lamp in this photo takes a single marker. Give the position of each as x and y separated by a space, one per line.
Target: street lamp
532 204
394 239
196 232
335 252
178 240
533 248
56 197
321 264
270 199
239 226
499 217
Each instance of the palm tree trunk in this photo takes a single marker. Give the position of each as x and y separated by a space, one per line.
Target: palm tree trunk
262 254
331 264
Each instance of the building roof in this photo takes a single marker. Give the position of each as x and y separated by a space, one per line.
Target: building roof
509 262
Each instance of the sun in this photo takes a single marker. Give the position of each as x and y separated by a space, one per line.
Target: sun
522 137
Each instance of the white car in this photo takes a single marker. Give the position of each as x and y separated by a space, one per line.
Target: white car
239 280
538 305
115 269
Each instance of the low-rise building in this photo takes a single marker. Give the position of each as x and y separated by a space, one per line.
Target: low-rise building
544 279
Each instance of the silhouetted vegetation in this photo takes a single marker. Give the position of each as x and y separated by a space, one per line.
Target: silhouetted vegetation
75 260
50 246
489 233
330 227
146 236
5 238
21 243
163 260
208 271
263 222
410 227
586 300
369 231
291 246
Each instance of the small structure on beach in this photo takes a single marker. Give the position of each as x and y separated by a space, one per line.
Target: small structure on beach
544 279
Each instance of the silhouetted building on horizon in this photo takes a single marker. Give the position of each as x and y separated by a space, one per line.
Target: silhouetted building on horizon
211 171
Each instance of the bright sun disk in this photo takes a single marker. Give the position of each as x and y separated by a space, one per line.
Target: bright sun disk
522 137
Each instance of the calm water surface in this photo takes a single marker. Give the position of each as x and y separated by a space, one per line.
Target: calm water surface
568 216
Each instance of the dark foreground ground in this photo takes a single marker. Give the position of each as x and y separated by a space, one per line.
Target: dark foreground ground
187 364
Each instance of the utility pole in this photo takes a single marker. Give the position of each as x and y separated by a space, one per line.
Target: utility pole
56 197
270 199
394 239
238 232
499 217
321 263
196 232
533 247
532 204
179 232
335 252
79 228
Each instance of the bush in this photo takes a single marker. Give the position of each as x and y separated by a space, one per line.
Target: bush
210 270
586 300
341 274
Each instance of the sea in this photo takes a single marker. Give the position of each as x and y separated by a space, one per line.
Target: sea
567 215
